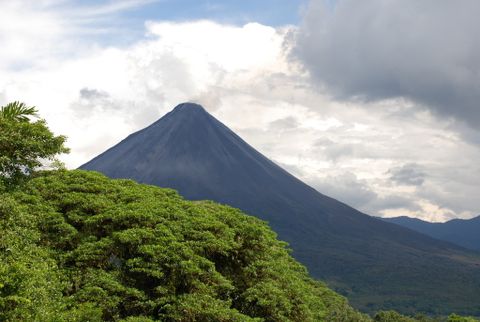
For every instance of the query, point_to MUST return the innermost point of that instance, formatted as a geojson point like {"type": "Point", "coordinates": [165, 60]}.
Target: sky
{"type": "Point", "coordinates": [372, 102]}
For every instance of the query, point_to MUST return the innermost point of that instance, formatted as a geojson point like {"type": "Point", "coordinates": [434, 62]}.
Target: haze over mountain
{"type": "Point", "coordinates": [375, 263]}
{"type": "Point", "coordinates": [463, 232]}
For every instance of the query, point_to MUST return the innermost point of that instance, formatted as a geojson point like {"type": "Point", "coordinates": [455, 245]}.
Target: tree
{"type": "Point", "coordinates": [458, 318]}
{"type": "Point", "coordinates": [391, 316]}
{"type": "Point", "coordinates": [122, 251]}
{"type": "Point", "coordinates": [17, 111]}
{"type": "Point", "coordinates": [25, 144]}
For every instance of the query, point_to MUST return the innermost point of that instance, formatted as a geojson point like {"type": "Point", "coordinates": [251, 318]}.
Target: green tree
{"type": "Point", "coordinates": [391, 316]}
{"type": "Point", "coordinates": [17, 111]}
{"type": "Point", "coordinates": [24, 144]}
{"type": "Point", "coordinates": [30, 284]}
{"type": "Point", "coordinates": [116, 250]}
{"type": "Point", "coordinates": [458, 318]}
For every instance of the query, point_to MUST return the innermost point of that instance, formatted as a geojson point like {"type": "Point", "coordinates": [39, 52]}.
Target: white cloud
{"type": "Point", "coordinates": [27, 34]}
{"type": "Point", "coordinates": [98, 95]}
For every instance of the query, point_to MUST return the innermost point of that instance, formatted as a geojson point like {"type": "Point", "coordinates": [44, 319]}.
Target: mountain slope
{"type": "Point", "coordinates": [376, 264]}
{"type": "Point", "coordinates": [463, 232]}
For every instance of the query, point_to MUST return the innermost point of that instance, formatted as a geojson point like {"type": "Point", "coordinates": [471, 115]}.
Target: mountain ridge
{"type": "Point", "coordinates": [191, 151]}
{"type": "Point", "coordinates": [462, 232]}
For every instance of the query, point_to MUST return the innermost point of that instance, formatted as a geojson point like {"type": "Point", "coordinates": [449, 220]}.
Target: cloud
{"type": "Point", "coordinates": [135, 85]}
{"type": "Point", "coordinates": [27, 33]}
{"type": "Point", "coordinates": [408, 174]}
{"type": "Point", "coordinates": [394, 202]}
{"type": "Point", "coordinates": [347, 188]}
{"type": "Point", "coordinates": [35, 33]}
{"type": "Point", "coordinates": [424, 51]}
{"type": "Point", "coordinates": [360, 194]}
{"type": "Point", "coordinates": [92, 94]}
{"type": "Point", "coordinates": [334, 151]}
{"type": "Point", "coordinates": [286, 123]}
{"type": "Point", "coordinates": [97, 94]}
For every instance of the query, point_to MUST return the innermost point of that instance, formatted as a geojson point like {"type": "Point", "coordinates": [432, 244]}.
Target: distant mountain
{"type": "Point", "coordinates": [463, 232]}
{"type": "Point", "coordinates": [375, 263]}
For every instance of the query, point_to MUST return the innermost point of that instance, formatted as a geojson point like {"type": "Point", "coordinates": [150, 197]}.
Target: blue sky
{"type": "Point", "coordinates": [269, 12]}
{"type": "Point", "coordinates": [129, 22]}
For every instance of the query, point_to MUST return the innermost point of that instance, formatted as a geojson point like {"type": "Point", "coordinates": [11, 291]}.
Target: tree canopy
{"type": "Point", "coordinates": [83, 246]}
{"type": "Point", "coordinates": [25, 144]}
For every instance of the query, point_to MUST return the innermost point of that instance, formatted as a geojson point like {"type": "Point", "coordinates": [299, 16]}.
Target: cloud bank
{"type": "Point", "coordinates": [384, 154]}
{"type": "Point", "coordinates": [424, 51]}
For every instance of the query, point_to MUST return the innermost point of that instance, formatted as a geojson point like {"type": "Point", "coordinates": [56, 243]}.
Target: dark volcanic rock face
{"type": "Point", "coordinates": [375, 263]}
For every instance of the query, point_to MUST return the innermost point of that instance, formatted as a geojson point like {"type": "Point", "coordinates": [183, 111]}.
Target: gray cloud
{"type": "Point", "coordinates": [360, 194]}
{"type": "Point", "coordinates": [346, 148]}
{"type": "Point", "coordinates": [425, 51]}
{"type": "Point", "coordinates": [335, 152]}
{"type": "Point", "coordinates": [98, 103]}
{"type": "Point", "coordinates": [347, 188]}
{"type": "Point", "coordinates": [92, 94]}
{"type": "Point", "coordinates": [408, 174]}
{"type": "Point", "coordinates": [286, 123]}
{"type": "Point", "coordinates": [391, 202]}
{"type": "Point", "coordinates": [91, 101]}
{"type": "Point", "coordinates": [292, 169]}
{"type": "Point", "coordinates": [212, 99]}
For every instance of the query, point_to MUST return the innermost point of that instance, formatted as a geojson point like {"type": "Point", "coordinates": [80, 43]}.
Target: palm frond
{"type": "Point", "coordinates": [18, 111]}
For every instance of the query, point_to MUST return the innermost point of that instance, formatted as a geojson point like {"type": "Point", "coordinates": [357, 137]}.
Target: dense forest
{"type": "Point", "coordinates": [78, 246]}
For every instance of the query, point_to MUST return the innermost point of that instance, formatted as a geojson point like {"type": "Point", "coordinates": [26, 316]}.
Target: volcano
{"type": "Point", "coordinates": [376, 264]}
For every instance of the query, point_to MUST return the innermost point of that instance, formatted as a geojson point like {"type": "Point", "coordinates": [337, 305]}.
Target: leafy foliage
{"type": "Point", "coordinates": [106, 250]}
{"type": "Point", "coordinates": [17, 111]}
{"type": "Point", "coordinates": [77, 246]}
{"type": "Point", "coordinates": [30, 286]}
{"type": "Point", "coordinates": [24, 144]}
{"type": "Point", "coordinates": [458, 318]}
